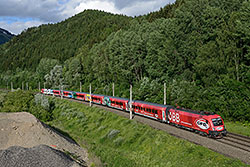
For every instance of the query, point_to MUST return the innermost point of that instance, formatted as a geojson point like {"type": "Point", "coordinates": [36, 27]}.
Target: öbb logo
{"type": "Point", "coordinates": [202, 123]}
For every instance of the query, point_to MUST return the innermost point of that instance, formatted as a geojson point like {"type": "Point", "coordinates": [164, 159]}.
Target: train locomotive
{"type": "Point", "coordinates": [204, 123]}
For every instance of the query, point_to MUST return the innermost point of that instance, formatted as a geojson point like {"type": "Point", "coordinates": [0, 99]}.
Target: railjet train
{"type": "Point", "coordinates": [204, 123]}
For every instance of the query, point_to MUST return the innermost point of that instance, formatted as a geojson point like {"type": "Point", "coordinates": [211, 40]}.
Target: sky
{"type": "Point", "coordinates": [18, 15]}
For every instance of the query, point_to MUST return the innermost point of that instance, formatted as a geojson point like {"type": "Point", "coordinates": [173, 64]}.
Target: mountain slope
{"type": "Point", "coordinates": [59, 41]}
{"type": "Point", "coordinates": [5, 36]}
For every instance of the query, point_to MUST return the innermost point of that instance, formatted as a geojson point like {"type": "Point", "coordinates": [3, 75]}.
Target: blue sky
{"type": "Point", "coordinates": [18, 15]}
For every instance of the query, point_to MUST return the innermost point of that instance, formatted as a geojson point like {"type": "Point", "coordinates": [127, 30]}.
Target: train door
{"type": "Point", "coordinates": [163, 116]}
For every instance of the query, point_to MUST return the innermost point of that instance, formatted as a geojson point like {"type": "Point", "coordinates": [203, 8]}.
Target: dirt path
{"type": "Point", "coordinates": [23, 129]}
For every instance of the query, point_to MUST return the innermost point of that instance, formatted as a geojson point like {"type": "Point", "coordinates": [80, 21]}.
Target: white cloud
{"type": "Point", "coordinates": [44, 11]}
{"type": "Point", "coordinates": [99, 5]}
{"type": "Point", "coordinates": [19, 26]}
{"type": "Point", "coordinates": [144, 7]}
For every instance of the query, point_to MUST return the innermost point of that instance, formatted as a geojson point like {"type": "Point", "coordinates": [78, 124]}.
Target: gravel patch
{"type": "Point", "coordinates": [25, 130]}
{"type": "Point", "coordinates": [38, 156]}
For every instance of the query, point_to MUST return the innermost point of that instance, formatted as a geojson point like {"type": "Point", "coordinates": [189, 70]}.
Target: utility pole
{"type": "Point", "coordinates": [7, 85]}
{"type": "Point", "coordinates": [80, 86]}
{"type": "Point", "coordinates": [113, 89]}
{"type": "Point", "coordinates": [90, 99]}
{"type": "Point", "coordinates": [27, 86]}
{"type": "Point", "coordinates": [39, 86]}
{"type": "Point", "coordinates": [22, 86]}
{"type": "Point", "coordinates": [61, 92]}
{"type": "Point", "coordinates": [44, 85]}
{"type": "Point", "coordinates": [11, 84]}
{"type": "Point", "coordinates": [130, 104]}
{"type": "Point", "coordinates": [165, 96]}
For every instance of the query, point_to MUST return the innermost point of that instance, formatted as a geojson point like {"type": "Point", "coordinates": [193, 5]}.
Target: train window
{"type": "Point", "coordinates": [217, 122]}
{"type": "Point", "coordinates": [150, 110]}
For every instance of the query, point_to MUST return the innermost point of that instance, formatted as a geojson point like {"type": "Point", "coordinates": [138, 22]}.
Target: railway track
{"type": "Point", "coordinates": [233, 145]}
{"type": "Point", "coordinates": [237, 141]}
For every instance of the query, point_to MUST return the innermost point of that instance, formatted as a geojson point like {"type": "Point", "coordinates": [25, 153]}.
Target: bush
{"type": "Point", "coordinates": [25, 101]}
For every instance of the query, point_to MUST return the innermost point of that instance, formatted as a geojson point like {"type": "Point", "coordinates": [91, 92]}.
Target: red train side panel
{"type": "Point", "coordinates": [120, 103]}
{"type": "Point", "coordinates": [210, 124]}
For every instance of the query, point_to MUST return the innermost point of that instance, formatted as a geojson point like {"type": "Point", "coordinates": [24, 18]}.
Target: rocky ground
{"type": "Point", "coordinates": [25, 141]}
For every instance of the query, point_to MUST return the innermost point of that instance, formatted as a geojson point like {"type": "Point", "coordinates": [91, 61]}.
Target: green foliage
{"type": "Point", "coordinates": [54, 78]}
{"type": "Point", "coordinates": [24, 101]}
{"type": "Point", "coordinates": [2, 97]}
{"type": "Point", "coordinates": [45, 66]}
{"type": "Point", "coordinates": [200, 49]}
{"type": "Point", "coordinates": [59, 41]}
{"type": "Point", "coordinates": [18, 101]}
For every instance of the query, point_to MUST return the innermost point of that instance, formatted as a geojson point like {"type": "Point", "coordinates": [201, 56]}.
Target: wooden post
{"type": "Point", "coordinates": [113, 89]}
{"type": "Point", "coordinates": [90, 99]}
{"type": "Point", "coordinates": [80, 86]}
{"type": "Point", "coordinates": [27, 86]}
{"type": "Point", "coordinates": [44, 85]}
{"type": "Point", "coordinates": [39, 86]}
{"type": "Point", "coordinates": [130, 104]}
{"type": "Point", "coordinates": [22, 86]}
{"type": "Point", "coordinates": [165, 96]}
{"type": "Point", "coordinates": [11, 84]}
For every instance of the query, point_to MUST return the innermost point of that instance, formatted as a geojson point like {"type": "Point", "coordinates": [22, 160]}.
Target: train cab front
{"type": "Point", "coordinates": [218, 129]}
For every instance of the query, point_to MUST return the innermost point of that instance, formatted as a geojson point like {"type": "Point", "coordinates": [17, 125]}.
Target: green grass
{"type": "Point", "coordinates": [118, 141]}
{"type": "Point", "coordinates": [239, 128]}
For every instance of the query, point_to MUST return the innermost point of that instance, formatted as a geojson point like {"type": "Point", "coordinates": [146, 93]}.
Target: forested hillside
{"type": "Point", "coordinates": [200, 49]}
{"type": "Point", "coordinates": [59, 41]}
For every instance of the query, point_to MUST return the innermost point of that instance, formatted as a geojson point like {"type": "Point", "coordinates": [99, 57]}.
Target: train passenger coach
{"type": "Point", "coordinates": [151, 110]}
{"type": "Point", "coordinates": [68, 94]}
{"type": "Point", "coordinates": [116, 102]}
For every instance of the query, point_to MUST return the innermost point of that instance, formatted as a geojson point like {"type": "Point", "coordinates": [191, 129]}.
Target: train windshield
{"type": "Point", "coordinates": [217, 122]}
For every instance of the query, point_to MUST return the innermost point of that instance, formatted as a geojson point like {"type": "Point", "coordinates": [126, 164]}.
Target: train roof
{"type": "Point", "coordinates": [97, 94]}
{"type": "Point", "coordinates": [154, 104]}
{"type": "Point", "coordinates": [120, 98]}
{"type": "Point", "coordinates": [196, 112]}
{"type": "Point", "coordinates": [79, 92]}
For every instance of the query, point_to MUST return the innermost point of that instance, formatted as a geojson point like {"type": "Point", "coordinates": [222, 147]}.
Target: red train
{"type": "Point", "coordinates": [205, 123]}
